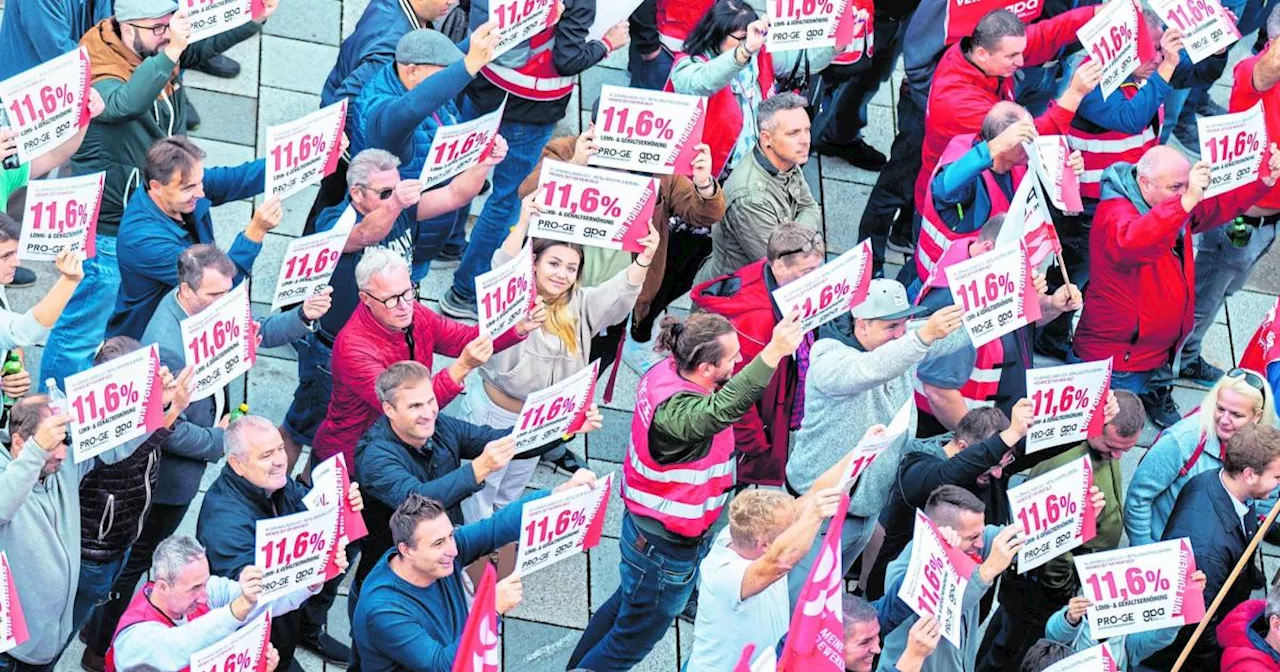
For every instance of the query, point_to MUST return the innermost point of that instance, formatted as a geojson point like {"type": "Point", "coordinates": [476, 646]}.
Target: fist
{"type": "Point", "coordinates": [1021, 417]}
{"type": "Point", "coordinates": [477, 352]}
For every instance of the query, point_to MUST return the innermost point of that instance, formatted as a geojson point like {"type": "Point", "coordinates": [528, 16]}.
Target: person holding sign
{"type": "Point", "coordinates": [184, 608]}
{"type": "Point", "coordinates": [561, 348]}
{"type": "Point", "coordinates": [763, 436]}
{"type": "Point", "coordinates": [173, 211]}
{"type": "Point", "coordinates": [23, 330]}
{"type": "Point", "coordinates": [413, 606]}
{"type": "Point", "coordinates": [1140, 246]}
{"type": "Point", "coordinates": [255, 485]}
{"type": "Point", "coordinates": [677, 478]}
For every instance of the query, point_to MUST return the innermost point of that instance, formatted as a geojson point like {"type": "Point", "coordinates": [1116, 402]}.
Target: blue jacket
{"type": "Point", "coordinates": [960, 194]}
{"type": "Point", "coordinates": [1155, 484]}
{"type": "Point", "coordinates": [1132, 115]}
{"type": "Point", "coordinates": [35, 31]}
{"type": "Point", "coordinates": [1130, 650]}
{"type": "Point", "coordinates": [389, 116]}
{"type": "Point", "coordinates": [370, 45]}
{"type": "Point", "coordinates": [227, 526]}
{"type": "Point", "coordinates": [150, 241]}
{"type": "Point", "coordinates": [399, 626]}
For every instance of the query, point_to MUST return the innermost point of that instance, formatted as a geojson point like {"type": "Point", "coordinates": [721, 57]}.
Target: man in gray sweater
{"type": "Point", "coordinates": [861, 372]}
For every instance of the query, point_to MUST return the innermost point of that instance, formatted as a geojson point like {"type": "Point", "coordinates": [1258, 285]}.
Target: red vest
{"type": "Point", "coordinates": [676, 19]}
{"type": "Point", "coordinates": [724, 113]}
{"type": "Point", "coordinates": [538, 78]}
{"type": "Point", "coordinates": [1100, 150]}
{"type": "Point", "coordinates": [141, 610]}
{"type": "Point", "coordinates": [935, 236]}
{"type": "Point", "coordinates": [983, 384]}
{"type": "Point", "coordinates": [686, 497]}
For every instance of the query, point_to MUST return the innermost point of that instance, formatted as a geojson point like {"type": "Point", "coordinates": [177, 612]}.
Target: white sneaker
{"type": "Point", "coordinates": [640, 356]}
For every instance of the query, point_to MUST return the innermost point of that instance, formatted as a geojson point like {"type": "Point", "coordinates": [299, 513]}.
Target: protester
{"type": "Point", "coordinates": [414, 604]}
{"type": "Point", "coordinates": [681, 451]}
{"type": "Point", "coordinates": [31, 327]}
{"type": "Point", "coordinates": [1043, 654]}
{"type": "Point", "coordinates": [31, 34]}
{"type": "Point", "coordinates": [762, 437]}
{"type": "Point", "coordinates": [1247, 646]}
{"type": "Point", "coordinates": [862, 627]}
{"type": "Point", "coordinates": [253, 486]}
{"type": "Point", "coordinates": [767, 188]}
{"type": "Point", "coordinates": [172, 212]}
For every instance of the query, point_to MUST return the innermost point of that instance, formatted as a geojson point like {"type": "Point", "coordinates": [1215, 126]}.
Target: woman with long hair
{"type": "Point", "coordinates": [1191, 446]}
{"type": "Point", "coordinates": [561, 348]}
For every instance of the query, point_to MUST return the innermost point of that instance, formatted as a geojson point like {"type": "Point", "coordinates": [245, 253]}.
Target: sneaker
{"type": "Point", "coordinates": [1161, 407]}
{"type": "Point", "coordinates": [22, 277]}
{"type": "Point", "coordinates": [857, 153]}
{"type": "Point", "coordinates": [328, 648]}
{"type": "Point", "coordinates": [569, 462]}
{"type": "Point", "coordinates": [900, 240]}
{"type": "Point", "coordinates": [456, 308]}
{"type": "Point", "coordinates": [193, 117]}
{"type": "Point", "coordinates": [446, 260]}
{"type": "Point", "coordinates": [640, 357]}
{"type": "Point", "coordinates": [218, 65]}
{"type": "Point", "coordinates": [92, 662]}
{"type": "Point", "coordinates": [1188, 135]}
{"type": "Point", "coordinates": [1208, 108]}
{"type": "Point", "coordinates": [1201, 372]}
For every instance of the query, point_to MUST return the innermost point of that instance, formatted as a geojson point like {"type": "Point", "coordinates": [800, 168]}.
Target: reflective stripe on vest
{"type": "Point", "coordinates": [1102, 149]}
{"type": "Point", "coordinates": [980, 390]}
{"type": "Point", "coordinates": [538, 78]}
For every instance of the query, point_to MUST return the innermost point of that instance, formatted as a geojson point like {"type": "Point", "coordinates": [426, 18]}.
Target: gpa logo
{"type": "Point", "coordinates": [1026, 9]}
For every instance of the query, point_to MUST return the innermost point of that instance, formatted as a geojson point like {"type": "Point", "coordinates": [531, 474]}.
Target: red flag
{"type": "Point", "coordinates": [478, 651]}
{"type": "Point", "coordinates": [1264, 347]}
{"type": "Point", "coordinates": [815, 641]}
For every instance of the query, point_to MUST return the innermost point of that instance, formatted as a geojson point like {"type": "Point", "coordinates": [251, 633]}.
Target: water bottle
{"type": "Point", "coordinates": [12, 365]}
{"type": "Point", "coordinates": [1239, 231]}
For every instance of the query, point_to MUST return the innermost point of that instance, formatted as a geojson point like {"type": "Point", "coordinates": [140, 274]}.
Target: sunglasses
{"type": "Point", "coordinates": [1250, 378]}
{"type": "Point", "coordinates": [383, 194]}
{"type": "Point", "coordinates": [806, 248]}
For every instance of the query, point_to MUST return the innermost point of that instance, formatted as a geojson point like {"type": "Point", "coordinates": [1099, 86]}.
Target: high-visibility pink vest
{"type": "Point", "coordinates": [687, 497]}
{"type": "Point", "coordinates": [1100, 150]}
{"type": "Point", "coordinates": [140, 610]}
{"type": "Point", "coordinates": [538, 78]}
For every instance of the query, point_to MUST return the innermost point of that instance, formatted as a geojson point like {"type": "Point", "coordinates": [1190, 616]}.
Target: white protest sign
{"type": "Point", "coordinates": [115, 402]}
{"type": "Point", "coordinates": [1235, 146]}
{"type": "Point", "coordinates": [648, 131]}
{"type": "Point", "coordinates": [1070, 401]}
{"type": "Point", "coordinates": [562, 525]}
{"type": "Point", "coordinates": [934, 584]}
{"type": "Point", "coordinates": [1095, 659]}
{"type": "Point", "coordinates": [330, 485]}
{"type": "Point", "coordinates": [1047, 159]}
{"type": "Point", "coordinates": [505, 294]}
{"type": "Point", "coordinates": [220, 342]}
{"type": "Point", "coordinates": [518, 20]}
{"type": "Point", "coordinates": [244, 650]}
{"type": "Point", "coordinates": [309, 262]}
{"type": "Point", "coordinates": [295, 550]}
{"type": "Point", "coordinates": [610, 14]}
{"type": "Point", "coordinates": [830, 291]}
{"type": "Point", "coordinates": [61, 214]}
{"type": "Point", "coordinates": [457, 147]}
{"type": "Point", "coordinates": [1055, 513]}
{"type": "Point", "coordinates": [593, 206]}
{"type": "Point", "coordinates": [869, 448]}
{"type": "Point", "coordinates": [555, 411]}
{"type": "Point", "coordinates": [1028, 222]}
{"type": "Point", "coordinates": [13, 623]}
{"type": "Point", "coordinates": [1111, 40]}
{"type": "Point", "coordinates": [47, 104]}
{"type": "Point", "coordinates": [214, 17]}
{"type": "Point", "coordinates": [1206, 28]}
{"type": "Point", "coordinates": [1140, 588]}
{"type": "Point", "coordinates": [808, 24]}
{"type": "Point", "coordinates": [303, 152]}
{"type": "Point", "coordinates": [995, 292]}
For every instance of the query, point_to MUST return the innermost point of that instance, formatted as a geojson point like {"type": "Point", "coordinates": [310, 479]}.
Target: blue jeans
{"type": "Point", "coordinates": [80, 329]}
{"type": "Point", "coordinates": [315, 386]}
{"type": "Point", "coordinates": [651, 75]}
{"type": "Point", "coordinates": [94, 588]}
{"type": "Point", "coordinates": [434, 235]}
{"type": "Point", "coordinates": [524, 148]}
{"type": "Point", "coordinates": [657, 579]}
{"type": "Point", "coordinates": [1137, 382]}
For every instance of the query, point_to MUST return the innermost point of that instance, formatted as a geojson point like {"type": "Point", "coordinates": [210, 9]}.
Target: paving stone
{"type": "Point", "coordinates": [844, 204]}
{"type": "Point", "coordinates": [271, 388]}
{"type": "Point", "coordinates": [1248, 309]}
{"type": "Point", "coordinates": [624, 392]}
{"type": "Point", "coordinates": [812, 170]}
{"type": "Point", "coordinates": [219, 153]}
{"type": "Point", "coordinates": [537, 647]}
{"type": "Point", "coordinates": [247, 54]}
{"type": "Point", "coordinates": [239, 113]}
{"type": "Point", "coordinates": [229, 219]}
{"type": "Point", "coordinates": [311, 21]}
{"type": "Point", "coordinates": [556, 595]}
{"type": "Point", "coordinates": [296, 65]}
{"type": "Point", "coordinates": [260, 312]}
{"type": "Point", "coordinates": [593, 79]}
{"type": "Point", "coordinates": [1266, 273]}
{"type": "Point", "coordinates": [571, 124]}
{"type": "Point", "coordinates": [351, 11]}
{"type": "Point", "coordinates": [610, 441]}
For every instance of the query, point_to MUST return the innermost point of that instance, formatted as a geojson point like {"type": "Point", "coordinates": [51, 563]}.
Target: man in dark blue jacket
{"type": "Point", "coordinates": [255, 485]}
{"type": "Point", "coordinates": [170, 214]}
{"type": "Point", "coordinates": [1215, 512]}
{"type": "Point", "coordinates": [35, 31]}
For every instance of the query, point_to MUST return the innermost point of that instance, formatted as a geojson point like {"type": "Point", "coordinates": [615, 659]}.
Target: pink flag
{"type": "Point", "coordinates": [815, 641]}
{"type": "Point", "coordinates": [478, 651]}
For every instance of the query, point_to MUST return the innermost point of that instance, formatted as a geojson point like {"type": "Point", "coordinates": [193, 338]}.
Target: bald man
{"type": "Point", "coordinates": [1142, 291]}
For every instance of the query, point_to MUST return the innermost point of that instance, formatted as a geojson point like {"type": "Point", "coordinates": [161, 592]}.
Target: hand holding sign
{"type": "Point", "coordinates": [1057, 512]}
{"type": "Point", "coordinates": [46, 105]}
{"type": "Point", "coordinates": [214, 17]}
{"type": "Point", "coordinates": [1206, 27]}
{"type": "Point", "coordinates": [303, 152]}
{"type": "Point", "coordinates": [593, 206]}
{"type": "Point", "coordinates": [1111, 40]}
{"type": "Point", "coordinates": [995, 292]}
{"type": "Point", "coordinates": [519, 20]}
{"type": "Point", "coordinates": [1141, 588]}
{"type": "Point", "coordinates": [566, 523]}
{"type": "Point", "coordinates": [115, 402]}
{"type": "Point", "coordinates": [505, 294]}
{"type": "Point", "coordinates": [831, 290]}
{"type": "Point", "coordinates": [245, 650]}
{"type": "Point", "coordinates": [458, 147]}
{"type": "Point", "coordinates": [557, 410]}
{"type": "Point", "coordinates": [218, 341]}
{"type": "Point", "coordinates": [1069, 402]}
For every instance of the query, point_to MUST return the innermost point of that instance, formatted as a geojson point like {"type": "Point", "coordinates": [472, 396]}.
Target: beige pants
{"type": "Point", "coordinates": [506, 484]}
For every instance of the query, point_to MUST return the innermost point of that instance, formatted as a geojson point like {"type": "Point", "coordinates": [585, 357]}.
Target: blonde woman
{"type": "Point", "coordinates": [1192, 446]}
{"type": "Point", "coordinates": [561, 348]}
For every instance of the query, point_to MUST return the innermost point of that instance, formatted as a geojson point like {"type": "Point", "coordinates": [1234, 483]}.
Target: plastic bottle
{"type": "Point", "coordinates": [239, 412]}
{"type": "Point", "coordinates": [12, 365]}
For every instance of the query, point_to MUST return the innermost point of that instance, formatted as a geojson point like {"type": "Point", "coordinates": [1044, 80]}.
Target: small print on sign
{"type": "Point", "coordinates": [47, 104]}
{"type": "Point", "coordinates": [220, 342]}
{"type": "Point", "coordinates": [1055, 513]}
{"type": "Point", "coordinates": [592, 206]}
{"type": "Point", "coordinates": [214, 17]}
{"type": "Point", "coordinates": [244, 650]}
{"type": "Point", "coordinates": [1095, 659]}
{"type": "Point", "coordinates": [1069, 403]}
{"type": "Point", "coordinates": [458, 147]}
{"type": "Point", "coordinates": [303, 152]}
{"type": "Point", "coordinates": [1235, 147]}
{"type": "Point", "coordinates": [552, 412]}
{"type": "Point", "coordinates": [330, 485]}
{"type": "Point", "coordinates": [648, 131]}
{"type": "Point", "coordinates": [561, 526]}
{"type": "Point", "coordinates": [309, 262]}
{"type": "Point", "coordinates": [806, 24]}
{"type": "Point", "coordinates": [295, 551]}
{"type": "Point", "coordinates": [934, 584]}
{"type": "Point", "coordinates": [1206, 28]}
{"type": "Point", "coordinates": [61, 214]}
{"type": "Point", "coordinates": [994, 290]}
{"type": "Point", "coordinates": [505, 294]}
{"type": "Point", "coordinates": [868, 449]}
{"type": "Point", "coordinates": [115, 402]}
{"type": "Point", "coordinates": [13, 624]}
{"type": "Point", "coordinates": [1111, 40]}
{"type": "Point", "coordinates": [1140, 588]}
{"type": "Point", "coordinates": [519, 20]}
{"type": "Point", "coordinates": [831, 290]}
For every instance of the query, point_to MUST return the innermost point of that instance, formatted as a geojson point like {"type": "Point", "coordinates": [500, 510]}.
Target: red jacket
{"type": "Point", "coordinates": [1141, 294]}
{"type": "Point", "coordinates": [762, 436]}
{"type": "Point", "coordinates": [1240, 645]}
{"type": "Point", "coordinates": [363, 349]}
{"type": "Point", "coordinates": [961, 94]}
{"type": "Point", "coordinates": [724, 114]}
{"type": "Point", "coordinates": [676, 19]}
{"type": "Point", "coordinates": [1244, 96]}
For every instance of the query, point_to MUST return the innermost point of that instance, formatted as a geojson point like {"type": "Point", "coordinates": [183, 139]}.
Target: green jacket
{"type": "Point", "coordinates": [137, 113]}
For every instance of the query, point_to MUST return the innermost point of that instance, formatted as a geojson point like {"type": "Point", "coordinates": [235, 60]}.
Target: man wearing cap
{"type": "Point", "coordinates": [135, 59]}
{"type": "Point", "coordinates": [861, 372]}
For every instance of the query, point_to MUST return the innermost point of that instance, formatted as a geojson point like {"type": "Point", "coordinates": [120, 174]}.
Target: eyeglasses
{"type": "Point", "coordinates": [393, 302]}
{"type": "Point", "coordinates": [806, 248]}
{"type": "Point", "coordinates": [740, 38]}
{"type": "Point", "coordinates": [382, 195]}
{"type": "Point", "coordinates": [1252, 379]}
{"type": "Point", "coordinates": [158, 29]}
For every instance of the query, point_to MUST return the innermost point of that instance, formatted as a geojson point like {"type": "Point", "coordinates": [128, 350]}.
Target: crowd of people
{"type": "Point", "coordinates": [744, 421]}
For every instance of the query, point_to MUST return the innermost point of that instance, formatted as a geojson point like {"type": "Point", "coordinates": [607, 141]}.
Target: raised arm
{"type": "Point", "coordinates": [792, 545]}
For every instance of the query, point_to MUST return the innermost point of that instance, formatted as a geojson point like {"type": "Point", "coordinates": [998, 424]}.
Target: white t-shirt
{"type": "Point", "coordinates": [725, 623]}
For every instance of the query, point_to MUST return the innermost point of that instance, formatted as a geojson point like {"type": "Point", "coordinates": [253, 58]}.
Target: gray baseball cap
{"type": "Point", "coordinates": [427, 47]}
{"type": "Point", "coordinates": [134, 10]}
{"type": "Point", "coordinates": [886, 300]}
